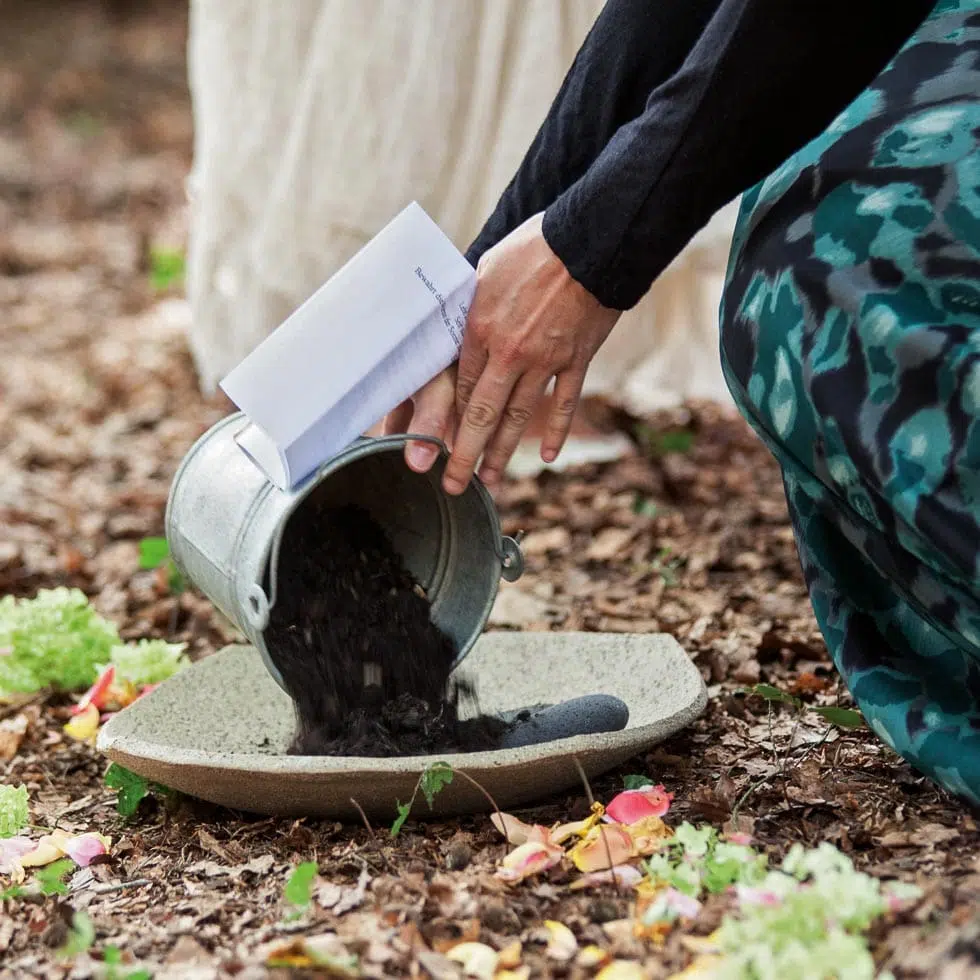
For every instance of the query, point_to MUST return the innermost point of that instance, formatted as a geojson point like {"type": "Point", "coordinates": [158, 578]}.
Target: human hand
{"type": "Point", "coordinates": [429, 412]}
{"type": "Point", "coordinates": [530, 322]}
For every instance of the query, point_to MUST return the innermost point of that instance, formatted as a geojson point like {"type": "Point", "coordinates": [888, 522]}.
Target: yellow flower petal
{"type": "Point", "coordinates": [562, 944]}
{"type": "Point", "coordinates": [510, 956]}
{"type": "Point", "coordinates": [592, 956]}
{"type": "Point", "coordinates": [477, 959]}
{"type": "Point", "coordinates": [578, 828]}
{"type": "Point", "coordinates": [648, 835]}
{"type": "Point", "coordinates": [84, 725]}
{"type": "Point", "coordinates": [703, 968]}
{"type": "Point", "coordinates": [622, 970]}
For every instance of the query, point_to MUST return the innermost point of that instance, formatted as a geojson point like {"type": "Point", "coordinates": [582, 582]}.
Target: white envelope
{"type": "Point", "coordinates": [380, 328]}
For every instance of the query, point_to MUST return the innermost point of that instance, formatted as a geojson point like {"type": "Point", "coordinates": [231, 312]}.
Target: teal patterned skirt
{"type": "Point", "coordinates": [851, 342]}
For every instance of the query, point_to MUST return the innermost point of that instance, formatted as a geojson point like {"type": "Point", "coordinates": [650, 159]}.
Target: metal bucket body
{"type": "Point", "coordinates": [225, 523]}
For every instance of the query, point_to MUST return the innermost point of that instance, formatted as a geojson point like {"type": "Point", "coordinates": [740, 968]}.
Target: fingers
{"type": "Point", "coordinates": [568, 390]}
{"type": "Point", "coordinates": [472, 362]}
{"type": "Point", "coordinates": [517, 415]}
{"type": "Point", "coordinates": [477, 426]}
{"type": "Point", "coordinates": [433, 416]}
{"type": "Point", "coordinates": [396, 421]}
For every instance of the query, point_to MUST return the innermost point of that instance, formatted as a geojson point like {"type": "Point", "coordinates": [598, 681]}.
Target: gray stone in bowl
{"type": "Point", "coordinates": [218, 729]}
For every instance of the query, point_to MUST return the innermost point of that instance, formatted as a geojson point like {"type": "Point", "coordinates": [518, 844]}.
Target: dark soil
{"type": "Point", "coordinates": [352, 636]}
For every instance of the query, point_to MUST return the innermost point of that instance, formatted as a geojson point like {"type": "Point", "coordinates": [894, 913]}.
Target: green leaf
{"type": "Point", "coordinates": [50, 878]}
{"type": "Point", "coordinates": [434, 779]}
{"type": "Point", "coordinates": [771, 693]}
{"type": "Point", "coordinates": [841, 717]}
{"type": "Point", "coordinates": [299, 889]}
{"type": "Point", "coordinates": [153, 552]}
{"type": "Point", "coordinates": [112, 955]}
{"type": "Point", "coordinates": [80, 937]}
{"type": "Point", "coordinates": [14, 891]}
{"type": "Point", "coordinates": [166, 268]}
{"type": "Point", "coordinates": [404, 809]}
{"type": "Point", "coordinates": [132, 789]}
{"type": "Point", "coordinates": [636, 782]}
{"type": "Point", "coordinates": [13, 810]}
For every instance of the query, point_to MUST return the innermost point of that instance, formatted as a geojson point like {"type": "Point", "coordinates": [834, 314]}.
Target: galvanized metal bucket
{"type": "Point", "coordinates": [225, 523]}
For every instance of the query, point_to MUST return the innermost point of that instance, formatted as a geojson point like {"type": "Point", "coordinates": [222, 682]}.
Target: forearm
{"type": "Point", "coordinates": [763, 78]}
{"type": "Point", "coordinates": [633, 48]}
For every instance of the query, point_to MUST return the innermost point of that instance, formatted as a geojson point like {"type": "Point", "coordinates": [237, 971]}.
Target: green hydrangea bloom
{"type": "Point", "coordinates": [149, 661]}
{"type": "Point", "coordinates": [55, 639]}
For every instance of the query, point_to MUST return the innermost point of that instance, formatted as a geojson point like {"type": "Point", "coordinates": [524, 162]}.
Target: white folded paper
{"type": "Point", "coordinates": [380, 328]}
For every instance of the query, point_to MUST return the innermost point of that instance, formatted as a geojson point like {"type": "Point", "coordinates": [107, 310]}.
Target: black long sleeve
{"type": "Point", "coordinates": [674, 107]}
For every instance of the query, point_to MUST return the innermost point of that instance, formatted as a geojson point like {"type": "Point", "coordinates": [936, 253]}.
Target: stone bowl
{"type": "Point", "coordinates": [218, 729]}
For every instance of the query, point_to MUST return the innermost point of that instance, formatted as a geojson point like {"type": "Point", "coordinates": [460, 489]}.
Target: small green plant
{"type": "Point", "coordinates": [636, 782]}
{"type": "Point", "coordinates": [841, 717]}
{"type": "Point", "coordinates": [81, 936]}
{"type": "Point", "coordinates": [51, 878]}
{"type": "Point", "coordinates": [298, 892]}
{"type": "Point", "coordinates": [155, 552]}
{"type": "Point", "coordinates": [666, 567]}
{"type": "Point", "coordinates": [658, 443]}
{"type": "Point", "coordinates": [644, 506]}
{"type": "Point", "coordinates": [167, 267]}
{"type": "Point", "coordinates": [132, 789]}
{"type": "Point", "coordinates": [13, 810]}
{"type": "Point", "coordinates": [432, 781]}
{"type": "Point", "coordinates": [112, 958]}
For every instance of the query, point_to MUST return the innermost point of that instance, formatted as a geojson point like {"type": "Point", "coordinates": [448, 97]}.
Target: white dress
{"type": "Point", "coordinates": [316, 121]}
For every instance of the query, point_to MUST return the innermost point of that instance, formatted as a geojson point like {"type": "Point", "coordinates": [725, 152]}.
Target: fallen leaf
{"type": "Point", "coordinates": [609, 543]}
{"type": "Point", "coordinates": [12, 732]}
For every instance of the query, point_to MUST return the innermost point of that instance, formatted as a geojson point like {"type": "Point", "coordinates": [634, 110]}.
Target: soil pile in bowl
{"type": "Point", "coordinates": [352, 636]}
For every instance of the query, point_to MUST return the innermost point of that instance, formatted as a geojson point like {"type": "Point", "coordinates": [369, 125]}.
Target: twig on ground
{"type": "Point", "coordinates": [367, 823]}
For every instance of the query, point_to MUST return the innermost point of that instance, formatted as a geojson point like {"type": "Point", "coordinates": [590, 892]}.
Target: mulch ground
{"type": "Point", "coordinates": [98, 403]}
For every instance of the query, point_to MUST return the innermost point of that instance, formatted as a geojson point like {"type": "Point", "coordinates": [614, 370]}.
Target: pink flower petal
{"type": "Point", "coordinates": [626, 875]}
{"type": "Point", "coordinates": [756, 896]}
{"type": "Point", "coordinates": [516, 831]}
{"type": "Point", "coordinates": [739, 838]}
{"type": "Point", "coordinates": [683, 905]}
{"type": "Point", "coordinates": [12, 849]}
{"type": "Point", "coordinates": [96, 694]}
{"type": "Point", "coordinates": [634, 804]}
{"type": "Point", "coordinates": [606, 846]}
{"type": "Point", "coordinates": [84, 848]}
{"type": "Point", "coordinates": [529, 859]}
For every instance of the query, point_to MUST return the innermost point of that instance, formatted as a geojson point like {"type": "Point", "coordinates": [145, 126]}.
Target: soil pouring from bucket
{"type": "Point", "coordinates": [352, 637]}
